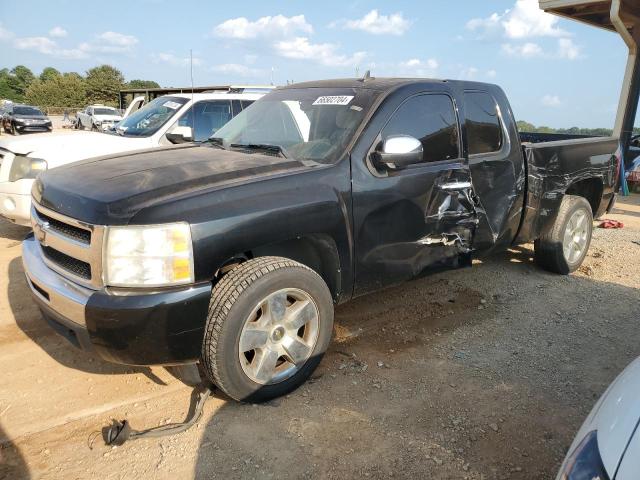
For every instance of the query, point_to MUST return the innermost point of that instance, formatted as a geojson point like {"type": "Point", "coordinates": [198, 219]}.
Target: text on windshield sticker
{"type": "Point", "coordinates": [334, 100]}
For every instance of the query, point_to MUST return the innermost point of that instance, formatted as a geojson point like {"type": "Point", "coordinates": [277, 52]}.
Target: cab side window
{"type": "Point", "coordinates": [432, 120]}
{"type": "Point", "coordinates": [484, 133]}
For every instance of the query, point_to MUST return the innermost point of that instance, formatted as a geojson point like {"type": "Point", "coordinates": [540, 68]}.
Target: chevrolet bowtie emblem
{"type": "Point", "coordinates": [40, 231]}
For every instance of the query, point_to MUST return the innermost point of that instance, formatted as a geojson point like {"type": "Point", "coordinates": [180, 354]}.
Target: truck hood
{"type": "Point", "coordinates": [62, 148]}
{"type": "Point", "coordinates": [111, 190]}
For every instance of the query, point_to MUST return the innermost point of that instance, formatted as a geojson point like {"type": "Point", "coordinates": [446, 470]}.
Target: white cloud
{"type": "Point", "coordinates": [174, 60]}
{"type": "Point", "coordinates": [476, 74]}
{"type": "Point", "coordinates": [525, 50]}
{"type": "Point", "coordinates": [46, 46]}
{"type": "Point", "coordinates": [117, 39]}
{"type": "Point", "coordinates": [524, 20]}
{"type": "Point", "coordinates": [417, 67]}
{"type": "Point", "coordinates": [237, 69]}
{"type": "Point", "coordinates": [376, 24]}
{"type": "Point", "coordinates": [324, 53]}
{"type": "Point", "coordinates": [277, 26]}
{"type": "Point", "coordinates": [57, 32]}
{"type": "Point", "coordinates": [551, 101]}
{"type": "Point", "coordinates": [567, 49]}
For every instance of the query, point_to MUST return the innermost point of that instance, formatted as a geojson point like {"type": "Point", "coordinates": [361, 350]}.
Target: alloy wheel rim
{"type": "Point", "coordinates": [576, 236]}
{"type": "Point", "coordinates": [279, 336]}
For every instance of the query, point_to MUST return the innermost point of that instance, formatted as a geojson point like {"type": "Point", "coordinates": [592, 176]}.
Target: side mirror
{"type": "Point", "coordinates": [180, 134]}
{"type": "Point", "coordinates": [399, 151]}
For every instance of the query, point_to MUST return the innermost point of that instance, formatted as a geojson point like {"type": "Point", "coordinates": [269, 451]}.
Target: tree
{"type": "Point", "coordinates": [58, 91]}
{"type": "Point", "coordinates": [142, 84]}
{"type": "Point", "coordinates": [103, 85]}
{"type": "Point", "coordinates": [49, 73]}
{"type": "Point", "coordinates": [14, 83]}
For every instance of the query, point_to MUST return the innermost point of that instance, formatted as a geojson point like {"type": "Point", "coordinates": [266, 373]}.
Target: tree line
{"type": "Point", "coordinates": [593, 132]}
{"type": "Point", "coordinates": [70, 89]}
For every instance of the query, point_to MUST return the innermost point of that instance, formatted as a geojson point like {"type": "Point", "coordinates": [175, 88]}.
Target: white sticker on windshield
{"type": "Point", "coordinates": [334, 100]}
{"type": "Point", "coordinates": [171, 105]}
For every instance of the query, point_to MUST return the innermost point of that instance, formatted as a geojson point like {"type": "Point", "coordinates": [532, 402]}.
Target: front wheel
{"type": "Point", "coordinates": [564, 248]}
{"type": "Point", "coordinates": [270, 322]}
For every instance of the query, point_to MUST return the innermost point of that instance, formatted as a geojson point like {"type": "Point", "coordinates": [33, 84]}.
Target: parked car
{"type": "Point", "coordinates": [607, 446]}
{"type": "Point", "coordinates": [234, 252]}
{"type": "Point", "coordinates": [19, 119]}
{"type": "Point", "coordinates": [97, 118]}
{"type": "Point", "coordinates": [164, 121]}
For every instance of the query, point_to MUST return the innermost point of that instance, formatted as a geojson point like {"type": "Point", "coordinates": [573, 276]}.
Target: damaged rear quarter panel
{"type": "Point", "coordinates": [553, 167]}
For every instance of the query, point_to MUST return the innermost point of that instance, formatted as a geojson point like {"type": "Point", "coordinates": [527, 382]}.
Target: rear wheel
{"type": "Point", "coordinates": [564, 248]}
{"type": "Point", "coordinates": [269, 324]}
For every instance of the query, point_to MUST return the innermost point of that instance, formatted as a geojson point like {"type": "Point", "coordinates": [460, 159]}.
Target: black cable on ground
{"type": "Point", "coordinates": [120, 431]}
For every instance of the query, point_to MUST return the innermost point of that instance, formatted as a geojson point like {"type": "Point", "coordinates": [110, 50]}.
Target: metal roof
{"type": "Point", "coordinates": [593, 12]}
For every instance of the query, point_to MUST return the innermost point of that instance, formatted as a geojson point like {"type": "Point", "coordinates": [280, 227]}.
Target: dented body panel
{"type": "Point", "coordinates": [554, 168]}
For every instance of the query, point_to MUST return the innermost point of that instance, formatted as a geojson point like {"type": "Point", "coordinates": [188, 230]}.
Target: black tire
{"type": "Point", "coordinates": [232, 301]}
{"type": "Point", "coordinates": [549, 249]}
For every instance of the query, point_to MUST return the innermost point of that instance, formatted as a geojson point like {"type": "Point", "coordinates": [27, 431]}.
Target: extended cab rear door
{"type": "Point", "coordinates": [496, 163]}
{"type": "Point", "coordinates": [412, 220]}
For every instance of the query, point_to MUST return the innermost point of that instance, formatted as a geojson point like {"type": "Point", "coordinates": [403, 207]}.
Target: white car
{"type": "Point", "coordinates": [166, 120]}
{"type": "Point", "coordinates": [97, 117]}
{"type": "Point", "coordinates": [607, 446]}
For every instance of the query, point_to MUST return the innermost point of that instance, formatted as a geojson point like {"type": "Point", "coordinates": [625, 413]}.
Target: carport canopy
{"type": "Point", "coordinates": [622, 17]}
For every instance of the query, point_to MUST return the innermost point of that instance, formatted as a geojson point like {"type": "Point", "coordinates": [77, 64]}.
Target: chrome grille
{"type": "Point", "coordinates": [70, 247]}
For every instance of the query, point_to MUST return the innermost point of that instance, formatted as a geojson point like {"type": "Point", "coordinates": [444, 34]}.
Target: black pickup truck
{"type": "Point", "coordinates": [234, 253]}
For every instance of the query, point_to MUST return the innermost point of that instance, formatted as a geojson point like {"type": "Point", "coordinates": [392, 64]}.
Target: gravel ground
{"type": "Point", "coordinates": [484, 373]}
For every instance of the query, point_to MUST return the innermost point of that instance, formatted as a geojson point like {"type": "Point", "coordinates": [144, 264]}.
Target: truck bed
{"type": "Point", "coordinates": [555, 165]}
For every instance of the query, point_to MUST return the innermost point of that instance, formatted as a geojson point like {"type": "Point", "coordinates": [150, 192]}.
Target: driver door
{"type": "Point", "coordinates": [420, 218]}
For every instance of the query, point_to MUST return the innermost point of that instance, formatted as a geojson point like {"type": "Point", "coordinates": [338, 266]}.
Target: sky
{"type": "Point", "coordinates": [556, 72]}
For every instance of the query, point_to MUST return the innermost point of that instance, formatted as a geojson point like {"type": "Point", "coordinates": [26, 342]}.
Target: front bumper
{"type": "Point", "coordinates": [162, 327]}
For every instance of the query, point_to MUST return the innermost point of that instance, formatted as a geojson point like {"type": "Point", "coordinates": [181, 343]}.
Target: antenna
{"type": "Point", "coordinates": [193, 109]}
{"type": "Point", "coordinates": [272, 70]}
{"type": "Point", "coordinates": [357, 72]}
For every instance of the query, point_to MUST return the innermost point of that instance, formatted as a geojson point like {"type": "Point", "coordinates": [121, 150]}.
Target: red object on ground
{"type": "Point", "coordinates": [611, 224]}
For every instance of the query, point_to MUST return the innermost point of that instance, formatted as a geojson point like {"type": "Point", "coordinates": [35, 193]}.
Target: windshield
{"type": "Point", "coordinates": [105, 111]}
{"type": "Point", "coordinates": [151, 117]}
{"type": "Point", "coordinates": [306, 124]}
{"type": "Point", "coordinates": [27, 111]}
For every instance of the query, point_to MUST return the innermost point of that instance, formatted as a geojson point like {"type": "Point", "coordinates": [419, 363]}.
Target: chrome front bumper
{"type": "Point", "coordinates": [52, 290]}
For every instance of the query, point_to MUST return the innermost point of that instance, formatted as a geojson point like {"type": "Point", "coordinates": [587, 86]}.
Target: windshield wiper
{"type": "Point", "coordinates": [216, 142]}
{"type": "Point", "coordinates": [262, 146]}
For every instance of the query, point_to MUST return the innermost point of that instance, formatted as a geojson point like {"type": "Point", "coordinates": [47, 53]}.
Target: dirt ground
{"type": "Point", "coordinates": [478, 374]}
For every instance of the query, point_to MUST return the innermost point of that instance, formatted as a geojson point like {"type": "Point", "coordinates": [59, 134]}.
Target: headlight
{"type": "Point", "coordinates": [585, 462]}
{"type": "Point", "coordinates": [26, 167]}
{"type": "Point", "coordinates": [146, 256]}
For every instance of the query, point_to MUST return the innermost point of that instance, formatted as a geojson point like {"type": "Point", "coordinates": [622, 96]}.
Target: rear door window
{"type": "Point", "coordinates": [484, 132]}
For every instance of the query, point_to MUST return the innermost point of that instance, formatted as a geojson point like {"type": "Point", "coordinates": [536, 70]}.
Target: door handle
{"type": "Point", "coordinates": [455, 186]}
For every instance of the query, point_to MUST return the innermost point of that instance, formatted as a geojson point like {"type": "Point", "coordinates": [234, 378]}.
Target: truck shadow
{"type": "Point", "coordinates": [29, 319]}
{"type": "Point", "coordinates": [12, 464]}
{"type": "Point", "coordinates": [422, 382]}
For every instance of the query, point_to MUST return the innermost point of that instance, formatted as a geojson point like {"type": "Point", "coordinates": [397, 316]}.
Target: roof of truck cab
{"type": "Point", "coordinates": [373, 83]}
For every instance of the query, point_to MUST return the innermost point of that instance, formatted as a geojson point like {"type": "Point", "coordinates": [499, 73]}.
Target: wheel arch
{"type": "Point", "coordinates": [317, 251]}
{"type": "Point", "coordinates": [592, 189]}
